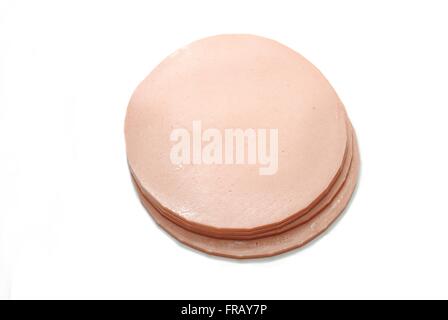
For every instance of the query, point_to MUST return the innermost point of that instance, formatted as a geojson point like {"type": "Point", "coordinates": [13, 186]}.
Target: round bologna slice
{"type": "Point", "coordinates": [268, 246]}
{"type": "Point", "coordinates": [233, 85]}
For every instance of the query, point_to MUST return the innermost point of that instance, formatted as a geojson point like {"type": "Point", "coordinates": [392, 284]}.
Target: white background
{"type": "Point", "coordinates": [71, 225]}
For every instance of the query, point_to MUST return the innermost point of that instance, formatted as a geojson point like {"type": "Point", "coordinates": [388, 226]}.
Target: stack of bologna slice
{"type": "Point", "coordinates": [304, 162]}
